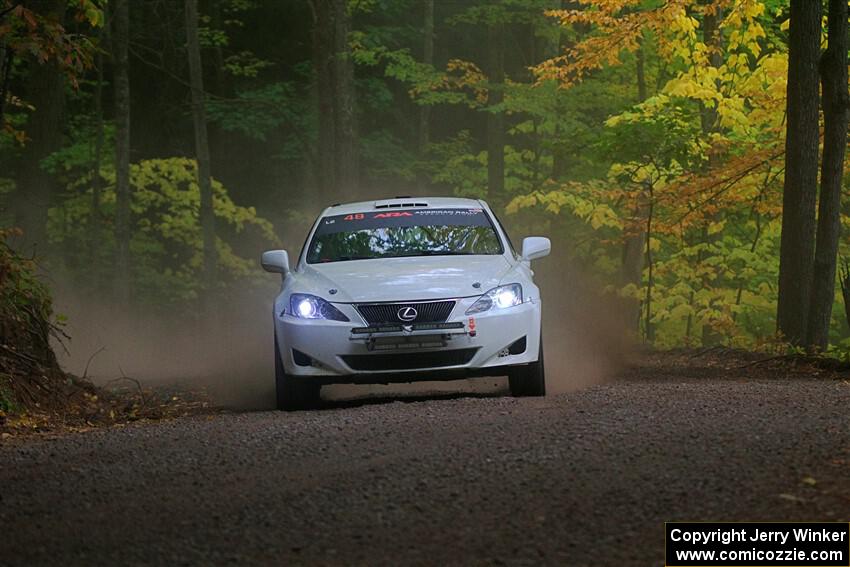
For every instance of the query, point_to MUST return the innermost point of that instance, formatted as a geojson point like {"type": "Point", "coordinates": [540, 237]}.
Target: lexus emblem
{"type": "Point", "coordinates": [407, 314]}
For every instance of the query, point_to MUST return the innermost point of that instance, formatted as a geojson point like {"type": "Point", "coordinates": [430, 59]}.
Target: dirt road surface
{"type": "Point", "coordinates": [583, 478]}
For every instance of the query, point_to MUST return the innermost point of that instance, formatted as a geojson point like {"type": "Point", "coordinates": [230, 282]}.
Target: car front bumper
{"type": "Point", "coordinates": [340, 352]}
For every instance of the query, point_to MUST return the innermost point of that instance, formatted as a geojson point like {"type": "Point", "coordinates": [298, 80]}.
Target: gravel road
{"type": "Point", "coordinates": [584, 478]}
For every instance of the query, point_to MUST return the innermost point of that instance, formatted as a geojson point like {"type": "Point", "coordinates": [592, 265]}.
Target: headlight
{"type": "Point", "coordinates": [307, 306]}
{"type": "Point", "coordinates": [498, 297]}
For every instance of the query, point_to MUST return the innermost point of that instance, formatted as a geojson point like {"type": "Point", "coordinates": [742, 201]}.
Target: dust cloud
{"type": "Point", "coordinates": [584, 337]}
{"type": "Point", "coordinates": [230, 356]}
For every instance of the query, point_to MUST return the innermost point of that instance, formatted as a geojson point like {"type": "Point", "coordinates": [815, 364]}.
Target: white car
{"type": "Point", "coordinates": [404, 290]}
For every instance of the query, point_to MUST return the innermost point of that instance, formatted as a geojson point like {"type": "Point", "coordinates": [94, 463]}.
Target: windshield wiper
{"type": "Point", "coordinates": [349, 258]}
{"type": "Point", "coordinates": [412, 255]}
{"type": "Point", "coordinates": [344, 259]}
{"type": "Point", "coordinates": [438, 253]}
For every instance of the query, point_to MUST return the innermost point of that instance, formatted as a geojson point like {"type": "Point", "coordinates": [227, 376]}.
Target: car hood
{"type": "Point", "coordinates": [403, 279]}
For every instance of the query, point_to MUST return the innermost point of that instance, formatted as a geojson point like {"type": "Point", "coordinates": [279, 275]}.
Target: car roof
{"type": "Point", "coordinates": [402, 203]}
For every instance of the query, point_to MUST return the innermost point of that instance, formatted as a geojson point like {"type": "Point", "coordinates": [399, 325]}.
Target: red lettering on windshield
{"type": "Point", "coordinates": [391, 215]}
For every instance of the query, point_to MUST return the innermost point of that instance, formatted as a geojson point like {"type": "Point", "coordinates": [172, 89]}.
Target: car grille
{"type": "Point", "coordinates": [409, 361]}
{"type": "Point", "coordinates": [426, 312]}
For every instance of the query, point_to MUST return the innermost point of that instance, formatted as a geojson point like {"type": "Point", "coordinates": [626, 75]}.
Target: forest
{"type": "Point", "coordinates": [686, 155]}
{"type": "Point", "coordinates": [684, 161]}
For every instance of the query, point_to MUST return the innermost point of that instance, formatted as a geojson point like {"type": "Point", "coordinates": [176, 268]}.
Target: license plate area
{"type": "Point", "coordinates": [412, 342]}
{"type": "Point", "coordinates": [407, 337]}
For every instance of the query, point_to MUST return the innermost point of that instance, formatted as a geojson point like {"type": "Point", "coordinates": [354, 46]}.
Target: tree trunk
{"type": "Point", "coordinates": [120, 40]}
{"type": "Point", "coordinates": [202, 152]}
{"type": "Point", "coordinates": [323, 65]}
{"type": "Point", "coordinates": [631, 269]}
{"type": "Point", "coordinates": [35, 186]}
{"type": "Point", "coordinates": [495, 118]}
{"type": "Point", "coordinates": [834, 79]}
{"type": "Point", "coordinates": [220, 83]}
{"type": "Point", "coordinates": [844, 277]}
{"type": "Point", "coordinates": [801, 171]}
{"type": "Point", "coordinates": [345, 118]}
{"type": "Point", "coordinates": [96, 179]}
{"type": "Point", "coordinates": [425, 110]}
{"type": "Point", "coordinates": [7, 58]}
{"type": "Point", "coordinates": [640, 73]}
{"type": "Point", "coordinates": [649, 328]}
{"type": "Point", "coordinates": [713, 39]}
{"type": "Point", "coordinates": [562, 151]}
{"type": "Point", "coordinates": [710, 119]}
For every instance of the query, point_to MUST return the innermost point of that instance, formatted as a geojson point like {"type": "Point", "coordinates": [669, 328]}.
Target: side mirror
{"type": "Point", "coordinates": [535, 247]}
{"type": "Point", "coordinates": [276, 261]}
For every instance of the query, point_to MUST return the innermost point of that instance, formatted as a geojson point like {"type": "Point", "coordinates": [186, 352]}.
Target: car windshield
{"type": "Point", "coordinates": [395, 234]}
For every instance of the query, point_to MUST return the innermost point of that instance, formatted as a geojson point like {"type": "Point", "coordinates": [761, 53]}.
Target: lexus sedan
{"type": "Point", "coordinates": [404, 290]}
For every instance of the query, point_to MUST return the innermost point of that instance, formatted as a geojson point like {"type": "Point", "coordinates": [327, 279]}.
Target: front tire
{"type": "Point", "coordinates": [529, 379]}
{"type": "Point", "coordinates": [293, 393]}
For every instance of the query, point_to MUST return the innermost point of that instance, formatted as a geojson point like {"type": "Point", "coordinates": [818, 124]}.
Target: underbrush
{"type": "Point", "coordinates": [29, 374]}
{"type": "Point", "coordinates": [35, 393]}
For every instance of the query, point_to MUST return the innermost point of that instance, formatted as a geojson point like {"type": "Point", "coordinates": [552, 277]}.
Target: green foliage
{"type": "Point", "coordinates": [245, 64]}
{"type": "Point", "coordinates": [697, 163]}
{"type": "Point", "coordinates": [386, 158]}
{"type": "Point", "coordinates": [694, 171]}
{"type": "Point", "coordinates": [423, 80]}
{"type": "Point", "coordinates": [255, 113]}
{"type": "Point", "coordinates": [217, 35]}
{"type": "Point", "coordinates": [77, 155]}
{"type": "Point", "coordinates": [505, 12]}
{"type": "Point", "coordinates": [454, 163]}
{"type": "Point", "coordinates": [26, 322]}
{"type": "Point", "coordinates": [208, 37]}
{"type": "Point", "coordinates": [166, 247]}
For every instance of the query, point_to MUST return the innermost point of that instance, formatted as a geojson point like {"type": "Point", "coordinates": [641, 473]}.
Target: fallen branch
{"type": "Point", "coordinates": [19, 354]}
{"type": "Point", "coordinates": [94, 354]}
{"type": "Point", "coordinates": [768, 359]}
{"type": "Point", "coordinates": [125, 377]}
{"type": "Point", "coordinates": [705, 350]}
{"type": "Point", "coordinates": [821, 362]}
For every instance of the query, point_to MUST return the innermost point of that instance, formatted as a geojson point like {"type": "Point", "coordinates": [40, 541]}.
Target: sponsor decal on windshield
{"type": "Point", "coordinates": [386, 219]}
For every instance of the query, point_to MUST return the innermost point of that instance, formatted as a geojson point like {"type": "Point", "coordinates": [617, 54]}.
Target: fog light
{"type": "Point", "coordinates": [301, 359]}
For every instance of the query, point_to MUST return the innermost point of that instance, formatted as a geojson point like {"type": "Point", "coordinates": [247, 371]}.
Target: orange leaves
{"type": "Point", "coordinates": [603, 13]}
{"type": "Point", "coordinates": [723, 168]}
{"type": "Point", "coordinates": [595, 51]}
{"type": "Point", "coordinates": [750, 181]}
{"type": "Point", "coordinates": [30, 33]}
{"type": "Point", "coordinates": [26, 15]}
{"type": "Point", "coordinates": [618, 26]}
{"type": "Point", "coordinates": [463, 75]}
